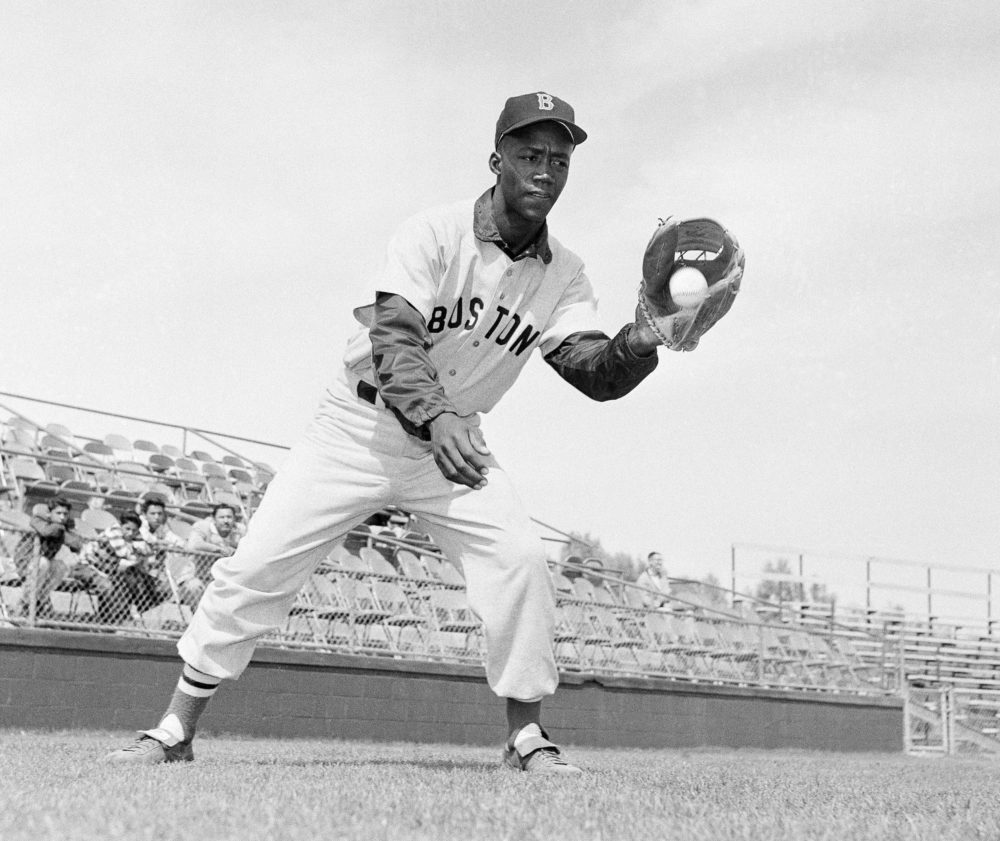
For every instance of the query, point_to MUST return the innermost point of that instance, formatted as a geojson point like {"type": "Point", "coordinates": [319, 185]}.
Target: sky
{"type": "Point", "coordinates": [196, 195]}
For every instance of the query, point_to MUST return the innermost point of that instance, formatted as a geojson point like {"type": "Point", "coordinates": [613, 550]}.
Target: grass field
{"type": "Point", "coordinates": [248, 789]}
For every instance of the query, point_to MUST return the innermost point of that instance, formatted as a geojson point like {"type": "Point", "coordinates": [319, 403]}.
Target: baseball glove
{"type": "Point", "coordinates": [708, 247]}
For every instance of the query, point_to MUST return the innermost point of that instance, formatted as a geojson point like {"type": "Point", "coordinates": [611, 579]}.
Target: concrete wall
{"type": "Point", "coordinates": [63, 679]}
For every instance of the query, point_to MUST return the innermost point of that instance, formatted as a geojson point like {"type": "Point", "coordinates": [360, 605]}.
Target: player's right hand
{"type": "Point", "coordinates": [460, 450]}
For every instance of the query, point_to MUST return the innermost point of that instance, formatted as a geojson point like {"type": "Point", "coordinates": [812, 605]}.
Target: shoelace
{"type": "Point", "coordinates": [548, 757]}
{"type": "Point", "coordinates": [138, 744]}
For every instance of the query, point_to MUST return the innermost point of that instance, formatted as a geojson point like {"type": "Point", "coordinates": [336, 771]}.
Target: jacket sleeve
{"type": "Point", "coordinates": [73, 541]}
{"type": "Point", "coordinates": [46, 528]}
{"type": "Point", "coordinates": [602, 368]}
{"type": "Point", "coordinates": [405, 376]}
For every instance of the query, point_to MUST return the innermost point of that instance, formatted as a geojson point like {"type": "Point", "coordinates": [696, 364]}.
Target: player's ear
{"type": "Point", "coordinates": [495, 163]}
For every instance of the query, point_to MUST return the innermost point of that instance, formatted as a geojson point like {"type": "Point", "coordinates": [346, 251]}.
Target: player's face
{"type": "Point", "coordinates": [155, 515]}
{"type": "Point", "coordinates": [130, 531]}
{"type": "Point", "coordinates": [533, 166]}
{"type": "Point", "coordinates": [59, 514]}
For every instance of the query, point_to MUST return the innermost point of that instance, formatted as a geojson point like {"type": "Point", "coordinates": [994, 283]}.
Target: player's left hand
{"type": "Point", "coordinates": [460, 450]}
{"type": "Point", "coordinates": [702, 244]}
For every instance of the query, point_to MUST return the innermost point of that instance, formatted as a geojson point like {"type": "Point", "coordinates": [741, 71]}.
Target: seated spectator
{"type": "Point", "coordinates": [399, 523]}
{"type": "Point", "coordinates": [52, 525]}
{"type": "Point", "coordinates": [654, 579]}
{"type": "Point", "coordinates": [215, 537]}
{"type": "Point", "coordinates": [573, 567]}
{"type": "Point", "coordinates": [6, 499]}
{"type": "Point", "coordinates": [161, 540]}
{"type": "Point", "coordinates": [113, 569]}
{"type": "Point", "coordinates": [594, 571]}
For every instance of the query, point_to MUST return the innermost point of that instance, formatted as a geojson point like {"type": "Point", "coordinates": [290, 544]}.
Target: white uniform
{"type": "Point", "coordinates": [486, 313]}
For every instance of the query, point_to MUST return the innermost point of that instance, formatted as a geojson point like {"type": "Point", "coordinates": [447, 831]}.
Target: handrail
{"type": "Point", "coordinates": [854, 556]}
{"type": "Point", "coordinates": [721, 614]}
{"type": "Point", "coordinates": [182, 427]}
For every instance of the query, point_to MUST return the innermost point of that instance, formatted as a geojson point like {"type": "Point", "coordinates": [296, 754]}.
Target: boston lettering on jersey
{"type": "Point", "coordinates": [501, 329]}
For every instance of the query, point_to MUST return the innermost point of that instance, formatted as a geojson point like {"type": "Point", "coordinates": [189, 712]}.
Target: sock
{"type": "Point", "coordinates": [527, 732]}
{"type": "Point", "coordinates": [194, 690]}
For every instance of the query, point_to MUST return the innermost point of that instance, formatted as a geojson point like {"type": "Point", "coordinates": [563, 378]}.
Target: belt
{"type": "Point", "coordinates": [370, 394]}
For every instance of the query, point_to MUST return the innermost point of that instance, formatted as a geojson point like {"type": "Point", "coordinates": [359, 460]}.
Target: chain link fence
{"type": "Point", "coordinates": [386, 596]}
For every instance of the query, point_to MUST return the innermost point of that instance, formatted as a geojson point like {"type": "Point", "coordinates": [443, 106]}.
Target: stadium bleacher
{"type": "Point", "coordinates": [391, 592]}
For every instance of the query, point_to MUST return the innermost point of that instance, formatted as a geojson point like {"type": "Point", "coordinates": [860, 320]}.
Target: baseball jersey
{"type": "Point", "coordinates": [485, 311]}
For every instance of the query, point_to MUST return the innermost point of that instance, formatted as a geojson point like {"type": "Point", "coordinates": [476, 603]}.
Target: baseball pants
{"type": "Point", "coordinates": [353, 461]}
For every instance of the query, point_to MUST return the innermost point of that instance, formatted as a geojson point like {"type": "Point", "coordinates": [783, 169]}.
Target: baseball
{"type": "Point", "coordinates": [688, 287]}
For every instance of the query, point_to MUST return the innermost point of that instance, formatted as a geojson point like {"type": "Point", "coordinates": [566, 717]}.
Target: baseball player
{"type": "Point", "coordinates": [468, 292]}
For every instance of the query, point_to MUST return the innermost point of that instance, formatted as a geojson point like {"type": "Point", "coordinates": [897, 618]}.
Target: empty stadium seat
{"type": "Point", "coordinates": [120, 445]}
{"type": "Point", "coordinates": [391, 598]}
{"type": "Point", "coordinates": [60, 473]}
{"type": "Point", "coordinates": [142, 446]}
{"type": "Point", "coordinates": [98, 518]}
{"type": "Point", "coordinates": [411, 567]}
{"type": "Point", "coordinates": [101, 452]}
{"type": "Point", "coordinates": [455, 630]}
{"type": "Point", "coordinates": [449, 574]}
{"type": "Point", "coordinates": [160, 463]}
{"type": "Point", "coordinates": [238, 474]}
{"type": "Point", "coordinates": [376, 562]}
{"type": "Point", "coordinates": [20, 443]}
{"type": "Point", "coordinates": [56, 447]}
{"type": "Point", "coordinates": [562, 584]}
{"type": "Point", "coordinates": [59, 430]}
{"type": "Point", "coordinates": [182, 528]}
{"type": "Point", "coordinates": [26, 470]}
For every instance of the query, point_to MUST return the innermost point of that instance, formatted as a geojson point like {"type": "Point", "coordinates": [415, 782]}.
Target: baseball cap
{"type": "Point", "coordinates": [537, 107]}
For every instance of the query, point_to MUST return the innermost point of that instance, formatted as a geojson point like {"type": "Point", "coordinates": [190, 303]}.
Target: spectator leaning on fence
{"type": "Point", "coordinates": [216, 536]}
{"type": "Point", "coordinates": [52, 525]}
{"type": "Point", "coordinates": [654, 579]}
{"type": "Point", "coordinates": [113, 567]}
{"type": "Point", "coordinates": [161, 540]}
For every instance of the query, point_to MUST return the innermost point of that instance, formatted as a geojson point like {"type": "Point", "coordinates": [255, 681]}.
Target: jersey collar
{"type": "Point", "coordinates": [485, 229]}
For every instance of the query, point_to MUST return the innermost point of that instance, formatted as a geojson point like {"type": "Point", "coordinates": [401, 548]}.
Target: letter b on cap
{"type": "Point", "coordinates": [545, 102]}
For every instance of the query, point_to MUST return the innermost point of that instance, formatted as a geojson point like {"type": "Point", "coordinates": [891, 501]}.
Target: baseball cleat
{"type": "Point", "coordinates": [149, 750]}
{"type": "Point", "coordinates": [537, 755]}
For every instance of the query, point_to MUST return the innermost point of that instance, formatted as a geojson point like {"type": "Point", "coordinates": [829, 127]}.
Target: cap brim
{"type": "Point", "coordinates": [577, 134]}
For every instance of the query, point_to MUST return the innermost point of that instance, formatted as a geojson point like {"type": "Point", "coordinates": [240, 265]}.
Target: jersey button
{"type": "Point", "coordinates": [502, 295]}
{"type": "Point", "coordinates": [451, 373]}
{"type": "Point", "coordinates": [476, 343]}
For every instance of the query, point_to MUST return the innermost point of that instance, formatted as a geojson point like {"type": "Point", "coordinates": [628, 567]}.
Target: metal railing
{"type": "Point", "coordinates": [363, 604]}
{"type": "Point", "coordinates": [948, 720]}
{"type": "Point", "coordinates": [955, 598]}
